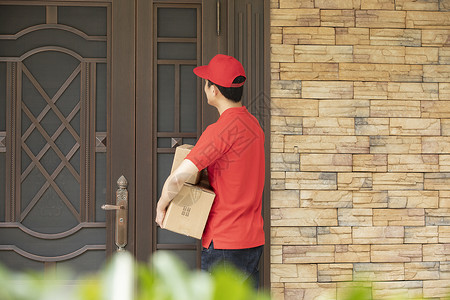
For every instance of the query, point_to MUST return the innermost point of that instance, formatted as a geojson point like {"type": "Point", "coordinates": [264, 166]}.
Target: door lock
{"type": "Point", "coordinates": [121, 209]}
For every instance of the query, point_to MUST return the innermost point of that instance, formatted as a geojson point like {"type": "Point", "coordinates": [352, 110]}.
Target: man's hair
{"type": "Point", "coordinates": [232, 93]}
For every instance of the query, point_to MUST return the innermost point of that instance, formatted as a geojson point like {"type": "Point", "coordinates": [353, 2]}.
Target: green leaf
{"type": "Point", "coordinates": [173, 275]}
{"type": "Point", "coordinates": [230, 285]}
{"type": "Point", "coordinates": [118, 279]}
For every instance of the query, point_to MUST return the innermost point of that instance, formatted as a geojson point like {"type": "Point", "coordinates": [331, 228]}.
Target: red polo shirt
{"type": "Point", "coordinates": [233, 151]}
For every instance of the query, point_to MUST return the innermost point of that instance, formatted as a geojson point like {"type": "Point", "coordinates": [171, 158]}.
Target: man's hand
{"type": "Point", "coordinates": [160, 214]}
{"type": "Point", "coordinates": [172, 187]}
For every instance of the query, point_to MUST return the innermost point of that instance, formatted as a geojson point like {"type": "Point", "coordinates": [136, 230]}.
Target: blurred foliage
{"type": "Point", "coordinates": [165, 278]}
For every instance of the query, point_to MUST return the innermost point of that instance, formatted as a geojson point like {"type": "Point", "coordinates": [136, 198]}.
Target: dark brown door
{"type": "Point", "coordinates": [66, 118]}
{"type": "Point", "coordinates": [177, 102]}
{"type": "Point", "coordinates": [185, 35]}
{"type": "Point", "coordinates": [91, 91]}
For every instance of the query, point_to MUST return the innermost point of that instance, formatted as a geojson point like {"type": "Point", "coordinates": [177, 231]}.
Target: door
{"type": "Point", "coordinates": [186, 35]}
{"type": "Point", "coordinates": [93, 90]}
{"type": "Point", "coordinates": [177, 102]}
{"type": "Point", "coordinates": [67, 130]}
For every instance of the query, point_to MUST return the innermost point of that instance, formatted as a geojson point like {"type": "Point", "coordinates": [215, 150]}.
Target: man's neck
{"type": "Point", "coordinates": [225, 104]}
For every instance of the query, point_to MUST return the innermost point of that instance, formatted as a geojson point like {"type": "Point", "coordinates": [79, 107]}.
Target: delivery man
{"type": "Point", "coordinates": [232, 150]}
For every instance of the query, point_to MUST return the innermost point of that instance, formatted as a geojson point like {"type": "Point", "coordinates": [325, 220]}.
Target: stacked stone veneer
{"type": "Point", "coordinates": [360, 147]}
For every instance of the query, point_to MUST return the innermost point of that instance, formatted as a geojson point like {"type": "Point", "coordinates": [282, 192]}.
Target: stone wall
{"type": "Point", "coordinates": [360, 147]}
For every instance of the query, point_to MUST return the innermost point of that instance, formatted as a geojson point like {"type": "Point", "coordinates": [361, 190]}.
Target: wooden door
{"type": "Point", "coordinates": [66, 118]}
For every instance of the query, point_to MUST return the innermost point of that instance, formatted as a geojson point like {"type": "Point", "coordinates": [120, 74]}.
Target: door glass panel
{"type": "Point", "coordinates": [29, 16]}
{"type": "Point", "coordinates": [35, 142]}
{"type": "Point", "coordinates": [55, 207]}
{"type": "Point", "coordinates": [50, 123]}
{"type": "Point", "coordinates": [75, 123]}
{"type": "Point", "coordinates": [50, 161]}
{"type": "Point", "coordinates": [90, 20]}
{"type": "Point", "coordinates": [69, 186]}
{"type": "Point", "coordinates": [32, 100]}
{"type": "Point", "coordinates": [169, 237]}
{"type": "Point", "coordinates": [164, 142]}
{"type": "Point", "coordinates": [26, 162]}
{"type": "Point", "coordinates": [51, 69]}
{"type": "Point", "coordinates": [31, 186]}
{"type": "Point", "coordinates": [87, 262]}
{"type": "Point", "coordinates": [65, 102]}
{"type": "Point", "coordinates": [177, 22]}
{"type": "Point", "coordinates": [100, 186]}
{"type": "Point", "coordinates": [16, 262]}
{"type": "Point", "coordinates": [188, 99]}
{"type": "Point", "coordinates": [2, 185]}
{"type": "Point", "coordinates": [101, 98]}
{"type": "Point", "coordinates": [75, 161]}
{"type": "Point", "coordinates": [164, 166]}
{"type": "Point", "coordinates": [188, 256]}
{"type": "Point", "coordinates": [190, 141]}
{"type": "Point", "coordinates": [50, 214]}
{"type": "Point", "coordinates": [2, 96]}
{"type": "Point", "coordinates": [54, 37]}
{"type": "Point", "coordinates": [65, 142]}
{"type": "Point", "coordinates": [26, 123]}
{"type": "Point", "coordinates": [166, 97]}
{"type": "Point", "coordinates": [177, 51]}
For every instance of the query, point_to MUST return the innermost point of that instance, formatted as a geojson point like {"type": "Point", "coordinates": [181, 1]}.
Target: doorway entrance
{"type": "Point", "coordinates": [95, 90]}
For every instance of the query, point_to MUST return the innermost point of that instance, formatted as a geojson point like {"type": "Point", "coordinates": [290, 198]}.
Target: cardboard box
{"type": "Point", "coordinates": [180, 154]}
{"type": "Point", "coordinates": [188, 211]}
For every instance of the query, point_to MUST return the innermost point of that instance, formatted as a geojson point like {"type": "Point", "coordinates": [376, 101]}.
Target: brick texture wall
{"type": "Point", "coordinates": [360, 147]}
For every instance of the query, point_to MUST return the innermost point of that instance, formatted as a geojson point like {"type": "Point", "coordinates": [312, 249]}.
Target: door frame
{"type": "Point", "coordinates": [144, 230]}
{"type": "Point", "coordinates": [122, 132]}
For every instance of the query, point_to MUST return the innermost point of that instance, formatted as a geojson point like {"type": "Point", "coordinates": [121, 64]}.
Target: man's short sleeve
{"type": "Point", "coordinates": [208, 149]}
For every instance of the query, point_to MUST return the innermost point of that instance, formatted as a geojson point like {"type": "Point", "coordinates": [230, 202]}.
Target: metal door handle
{"type": "Point", "coordinates": [112, 207]}
{"type": "Point", "coordinates": [121, 209]}
{"type": "Point", "coordinates": [218, 17]}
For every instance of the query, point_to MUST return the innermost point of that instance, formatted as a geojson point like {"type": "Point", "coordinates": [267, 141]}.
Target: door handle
{"type": "Point", "coordinates": [112, 207]}
{"type": "Point", "coordinates": [121, 209]}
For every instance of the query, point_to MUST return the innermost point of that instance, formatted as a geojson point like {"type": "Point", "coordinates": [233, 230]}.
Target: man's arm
{"type": "Point", "coordinates": [172, 187]}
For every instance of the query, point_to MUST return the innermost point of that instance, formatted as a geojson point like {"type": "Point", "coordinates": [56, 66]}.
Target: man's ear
{"type": "Point", "coordinates": [215, 90]}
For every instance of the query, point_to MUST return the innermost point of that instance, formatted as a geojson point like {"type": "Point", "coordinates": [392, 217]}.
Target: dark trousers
{"type": "Point", "coordinates": [245, 260]}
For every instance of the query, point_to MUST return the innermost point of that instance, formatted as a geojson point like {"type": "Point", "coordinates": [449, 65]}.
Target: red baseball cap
{"type": "Point", "coordinates": [222, 70]}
